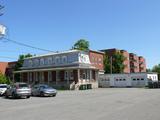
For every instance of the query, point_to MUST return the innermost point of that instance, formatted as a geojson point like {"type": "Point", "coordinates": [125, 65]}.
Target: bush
{"type": "Point", "coordinates": [4, 79]}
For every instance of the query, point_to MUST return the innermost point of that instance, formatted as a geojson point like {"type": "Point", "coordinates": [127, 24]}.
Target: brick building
{"type": "Point", "coordinates": [142, 64]}
{"type": "Point", "coordinates": [69, 69]}
{"type": "Point", "coordinates": [3, 67]}
{"type": "Point", "coordinates": [133, 63]}
{"type": "Point", "coordinates": [96, 59]}
{"type": "Point", "coordinates": [7, 68]}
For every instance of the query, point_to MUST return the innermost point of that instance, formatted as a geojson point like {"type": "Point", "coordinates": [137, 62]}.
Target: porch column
{"type": "Point", "coordinates": [96, 75]}
{"type": "Point", "coordinates": [68, 75]}
{"type": "Point", "coordinates": [13, 78]}
{"type": "Point", "coordinates": [78, 74]}
{"type": "Point", "coordinates": [90, 75]}
{"type": "Point", "coordinates": [21, 78]}
{"type": "Point", "coordinates": [49, 72]}
{"type": "Point", "coordinates": [56, 76]}
{"type": "Point", "coordinates": [28, 77]}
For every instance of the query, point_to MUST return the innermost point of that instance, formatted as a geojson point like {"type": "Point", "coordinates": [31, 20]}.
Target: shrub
{"type": "Point", "coordinates": [4, 79]}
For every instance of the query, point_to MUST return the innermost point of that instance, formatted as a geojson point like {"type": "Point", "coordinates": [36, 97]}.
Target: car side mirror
{"type": "Point", "coordinates": [8, 87]}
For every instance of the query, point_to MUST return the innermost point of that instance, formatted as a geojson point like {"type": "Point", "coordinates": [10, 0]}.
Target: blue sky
{"type": "Point", "coordinates": [133, 25]}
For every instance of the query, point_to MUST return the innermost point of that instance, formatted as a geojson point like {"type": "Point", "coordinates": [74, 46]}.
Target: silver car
{"type": "Point", "coordinates": [43, 90]}
{"type": "Point", "coordinates": [18, 90]}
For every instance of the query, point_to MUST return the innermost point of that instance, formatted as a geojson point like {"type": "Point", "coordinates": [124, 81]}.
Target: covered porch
{"type": "Point", "coordinates": [60, 78]}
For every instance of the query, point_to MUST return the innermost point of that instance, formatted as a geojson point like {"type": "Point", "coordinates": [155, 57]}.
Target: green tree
{"type": "Point", "coordinates": [156, 68]}
{"type": "Point", "coordinates": [107, 64]}
{"type": "Point", "coordinates": [148, 70]}
{"type": "Point", "coordinates": [4, 79]}
{"type": "Point", "coordinates": [19, 64]}
{"type": "Point", "coordinates": [114, 63]}
{"type": "Point", "coordinates": [81, 44]}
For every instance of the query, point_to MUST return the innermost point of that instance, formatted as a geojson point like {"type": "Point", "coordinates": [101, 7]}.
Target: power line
{"type": "Point", "coordinates": [26, 45]}
{"type": "Point", "coordinates": [8, 57]}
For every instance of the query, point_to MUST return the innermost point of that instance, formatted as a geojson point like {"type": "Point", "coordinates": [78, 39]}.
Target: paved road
{"type": "Point", "coordinates": [98, 104]}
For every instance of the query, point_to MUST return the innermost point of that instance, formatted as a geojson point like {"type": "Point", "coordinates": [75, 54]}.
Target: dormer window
{"type": "Point", "coordinates": [30, 63]}
{"type": "Point", "coordinates": [41, 61]}
{"type": "Point", "coordinates": [64, 59]}
{"type": "Point", "coordinates": [57, 60]}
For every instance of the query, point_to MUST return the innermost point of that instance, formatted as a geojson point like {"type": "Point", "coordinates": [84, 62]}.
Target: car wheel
{"type": "Point", "coordinates": [41, 94]}
{"type": "Point", "coordinates": [14, 95]}
{"type": "Point", "coordinates": [6, 96]}
{"type": "Point", "coordinates": [28, 96]}
{"type": "Point", "coordinates": [54, 95]}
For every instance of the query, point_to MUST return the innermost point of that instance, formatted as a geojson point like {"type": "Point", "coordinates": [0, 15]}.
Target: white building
{"type": "Point", "coordinates": [127, 79]}
{"type": "Point", "coordinates": [69, 69]}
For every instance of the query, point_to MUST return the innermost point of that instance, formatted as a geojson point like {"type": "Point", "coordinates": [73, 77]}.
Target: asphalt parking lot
{"type": "Point", "coordinates": [98, 104]}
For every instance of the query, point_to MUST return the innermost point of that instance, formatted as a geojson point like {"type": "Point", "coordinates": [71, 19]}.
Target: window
{"type": "Point", "coordinates": [84, 75]}
{"type": "Point", "coordinates": [134, 79]}
{"type": "Point", "coordinates": [49, 60]}
{"type": "Point", "coordinates": [53, 60]}
{"type": "Point", "coordinates": [36, 62]}
{"type": "Point", "coordinates": [142, 78]}
{"type": "Point", "coordinates": [137, 78]}
{"type": "Point", "coordinates": [64, 59]}
{"type": "Point", "coordinates": [41, 61]}
{"type": "Point", "coordinates": [57, 60]}
{"type": "Point", "coordinates": [100, 61]}
{"type": "Point", "coordinates": [30, 63]}
{"type": "Point", "coordinates": [124, 79]}
{"type": "Point", "coordinates": [46, 61]}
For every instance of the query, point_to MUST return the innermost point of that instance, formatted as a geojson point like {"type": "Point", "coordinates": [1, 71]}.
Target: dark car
{"type": "Point", "coordinates": [43, 90]}
{"type": "Point", "coordinates": [18, 90]}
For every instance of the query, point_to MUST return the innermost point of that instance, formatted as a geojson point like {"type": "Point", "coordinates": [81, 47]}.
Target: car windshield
{"type": "Point", "coordinates": [3, 86]}
{"type": "Point", "coordinates": [45, 87]}
{"type": "Point", "coordinates": [23, 85]}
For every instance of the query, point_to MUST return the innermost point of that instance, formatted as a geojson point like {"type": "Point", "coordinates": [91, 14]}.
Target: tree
{"type": "Point", "coordinates": [81, 44]}
{"type": "Point", "coordinates": [19, 64]}
{"type": "Point", "coordinates": [156, 68]}
{"type": "Point", "coordinates": [20, 61]}
{"type": "Point", "coordinates": [114, 63]}
{"type": "Point", "coordinates": [107, 64]}
{"type": "Point", "coordinates": [4, 79]}
{"type": "Point", "coordinates": [148, 70]}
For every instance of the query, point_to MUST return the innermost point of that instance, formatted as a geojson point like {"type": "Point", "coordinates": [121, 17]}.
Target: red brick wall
{"type": "Point", "coordinates": [126, 62]}
{"type": "Point", "coordinates": [75, 75]}
{"type": "Point", "coordinates": [25, 77]}
{"type": "Point", "coordinates": [134, 63]}
{"type": "Point", "coordinates": [142, 64]}
{"type": "Point", "coordinates": [3, 67]}
{"type": "Point", "coordinates": [45, 76]}
{"type": "Point", "coordinates": [54, 76]}
{"type": "Point", "coordinates": [62, 75]}
{"type": "Point", "coordinates": [96, 59]}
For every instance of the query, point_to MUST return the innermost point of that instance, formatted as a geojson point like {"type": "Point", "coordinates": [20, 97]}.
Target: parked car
{"type": "Point", "coordinates": [3, 88]}
{"type": "Point", "coordinates": [43, 90]}
{"type": "Point", "coordinates": [18, 90]}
